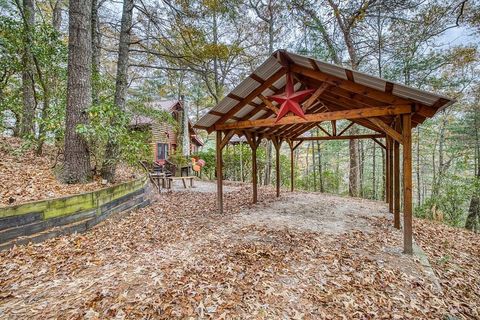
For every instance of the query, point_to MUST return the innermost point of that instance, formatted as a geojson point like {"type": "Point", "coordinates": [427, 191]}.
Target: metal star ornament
{"type": "Point", "coordinates": [290, 100]}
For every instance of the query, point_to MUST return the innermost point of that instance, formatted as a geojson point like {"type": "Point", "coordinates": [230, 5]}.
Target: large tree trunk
{"type": "Point", "coordinates": [79, 91]}
{"type": "Point", "coordinates": [95, 51]}
{"type": "Point", "coordinates": [27, 125]}
{"type": "Point", "coordinates": [110, 162]}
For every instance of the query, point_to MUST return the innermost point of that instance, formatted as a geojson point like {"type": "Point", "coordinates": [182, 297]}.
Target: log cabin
{"type": "Point", "coordinates": [166, 136]}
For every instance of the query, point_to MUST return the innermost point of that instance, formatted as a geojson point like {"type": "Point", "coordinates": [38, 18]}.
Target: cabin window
{"type": "Point", "coordinates": [162, 151]}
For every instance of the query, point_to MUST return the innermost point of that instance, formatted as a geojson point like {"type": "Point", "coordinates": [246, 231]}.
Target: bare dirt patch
{"type": "Point", "coordinates": [179, 259]}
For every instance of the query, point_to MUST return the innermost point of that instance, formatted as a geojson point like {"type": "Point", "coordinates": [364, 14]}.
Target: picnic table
{"type": "Point", "coordinates": [170, 180]}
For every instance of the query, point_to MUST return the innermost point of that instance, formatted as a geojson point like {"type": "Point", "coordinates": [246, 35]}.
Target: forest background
{"type": "Point", "coordinates": [72, 73]}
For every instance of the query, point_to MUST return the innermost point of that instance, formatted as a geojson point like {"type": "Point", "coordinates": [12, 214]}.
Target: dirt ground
{"type": "Point", "coordinates": [303, 256]}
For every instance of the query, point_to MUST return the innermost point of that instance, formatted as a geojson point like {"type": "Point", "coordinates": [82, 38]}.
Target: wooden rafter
{"type": "Point", "coordinates": [268, 103]}
{"type": "Point", "coordinates": [313, 98]}
{"type": "Point", "coordinates": [349, 85]}
{"type": "Point", "coordinates": [277, 75]}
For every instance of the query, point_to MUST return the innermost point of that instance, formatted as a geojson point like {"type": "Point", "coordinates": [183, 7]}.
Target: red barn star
{"type": "Point", "coordinates": [290, 99]}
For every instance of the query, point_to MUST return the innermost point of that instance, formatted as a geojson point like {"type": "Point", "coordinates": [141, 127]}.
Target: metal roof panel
{"type": "Point", "coordinates": [268, 68]}
{"type": "Point", "coordinates": [369, 81]}
{"type": "Point", "coordinates": [415, 94]}
{"type": "Point", "coordinates": [225, 105]}
{"type": "Point", "coordinates": [331, 69]}
{"type": "Point", "coordinates": [207, 120]}
{"type": "Point", "coordinates": [244, 111]}
{"type": "Point", "coordinates": [245, 87]}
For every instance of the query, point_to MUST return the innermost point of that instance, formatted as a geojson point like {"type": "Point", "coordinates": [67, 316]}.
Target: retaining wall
{"type": "Point", "coordinates": [40, 220]}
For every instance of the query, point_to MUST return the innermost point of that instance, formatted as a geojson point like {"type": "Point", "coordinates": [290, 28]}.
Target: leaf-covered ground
{"type": "Point", "coordinates": [27, 177]}
{"type": "Point", "coordinates": [179, 259]}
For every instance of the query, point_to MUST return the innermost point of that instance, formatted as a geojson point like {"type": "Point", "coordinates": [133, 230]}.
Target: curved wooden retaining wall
{"type": "Point", "coordinates": [40, 220]}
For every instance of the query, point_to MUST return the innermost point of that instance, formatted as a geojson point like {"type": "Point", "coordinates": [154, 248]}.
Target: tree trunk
{"type": "Point", "coordinates": [121, 84]}
{"type": "Point", "coordinates": [79, 91]}
{"type": "Point", "coordinates": [473, 218]}
{"type": "Point", "coordinates": [95, 51]}
{"type": "Point", "coordinates": [354, 169]}
{"type": "Point", "coordinates": [27, 125]}
{"type": "Point", "coordinates": [320, 169]}
{"type": "Point", "coordinates": [57, 15]}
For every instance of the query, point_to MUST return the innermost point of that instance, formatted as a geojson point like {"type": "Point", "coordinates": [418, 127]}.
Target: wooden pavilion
{"type": "Point", "coordinates": [390, 110]}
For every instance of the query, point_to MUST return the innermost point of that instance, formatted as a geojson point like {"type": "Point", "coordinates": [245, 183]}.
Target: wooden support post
{"type": "Point", "coordinates": [387, 167]}
{"type": "Point", "coordinates": [219, 165]}
{"type": "Point", "coordinates": [277, 143]}
{"type": "Point", "coordinates": [396, 179]}
{"type": "Point", "coordinates": [254, 174]}
{"type": "Point", "coordinates": [254, 141]}
{"type": "Point", "coordinates": [390, 178]}
{"type": "Point", "coordinates": [290, 143]}
{"type": "Point", "coordinates": [407, 183]}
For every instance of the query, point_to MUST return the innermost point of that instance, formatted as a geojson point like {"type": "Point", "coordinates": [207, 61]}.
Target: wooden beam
{"type": "Point", "coordinates": [277, 75]}
{"type": "Point", "coordinates": [390, 177]}
{"type": "Point", "coordinates": [352, 137]}
{"type": "Point", "coordinates": [219, 165]}
{"type": "Point", "coordinates": [318, 117]}
{"type": "Point", "coordinates": [363, 122]}
{"type": "Point", "coordinates": [257, 78]}
{"type": "Point", "coordinates": [387, 129]}
{"type": "Point", "coordinates": [325, 131]}
{"type": "Point", "coordinates": [277, 142]}
{"type": "Point", "coordinates": [387, 168]}
{"type": "Point", "coordinates": [297, 145]}
{"type": "Point", "coordinates": [348, 85]}
{"type": "Point", "coordinates": [226, 139]}
{"type": "Point", "coordinates": [309, 102]}
{"type": "Point", "coordinates": [254, 142]}
{"type": "Point", "coordinates": [346, 128]}
{"type": "Point", "coordinates": [268, 103]}
{"type": "Point", "coordinates": [379, 143]}
{"type": "Point", "coordinates": [234, 97]}
{"type": "Point", "coordinates": [334, 127]}
{"type": "Point", "coordinates": [407, 184]}
{"type": "Point", "coordinates": [396, 182]}
{"type": "Point", "coordinates": [292, 149]}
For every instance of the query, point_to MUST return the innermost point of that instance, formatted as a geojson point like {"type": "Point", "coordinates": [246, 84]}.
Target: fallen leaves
{"type": "Point", "coordinates": [179, 259]}
{"type": "Point", "coordinates": [27, 177]}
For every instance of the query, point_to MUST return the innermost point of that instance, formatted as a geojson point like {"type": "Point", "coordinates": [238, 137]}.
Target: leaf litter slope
{"type": "Point", "coordinates": [179, 259]}
{"type": "Point", "coordinates": [25, 176]}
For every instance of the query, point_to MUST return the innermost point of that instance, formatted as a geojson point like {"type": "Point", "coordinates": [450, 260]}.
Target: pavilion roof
{"type": "Point", "coordinates": [338, 89]}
